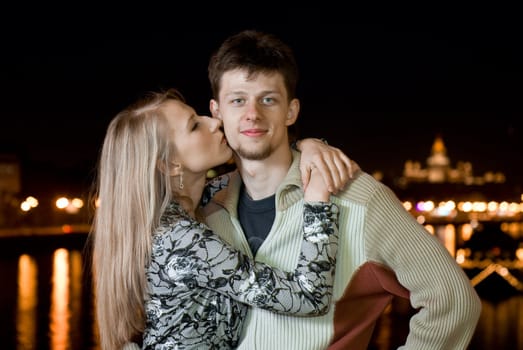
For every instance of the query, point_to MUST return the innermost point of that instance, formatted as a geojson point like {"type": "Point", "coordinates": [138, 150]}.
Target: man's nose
{"type": "Point", "coordinates": [252, 111]}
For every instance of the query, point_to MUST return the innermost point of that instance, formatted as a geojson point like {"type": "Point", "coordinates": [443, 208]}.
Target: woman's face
{"type": "Point", "coordinates": [199, 141]}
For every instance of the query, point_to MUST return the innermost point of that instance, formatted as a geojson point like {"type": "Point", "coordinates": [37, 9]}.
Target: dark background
{"type": "Point", "coordinates": [378, 82]}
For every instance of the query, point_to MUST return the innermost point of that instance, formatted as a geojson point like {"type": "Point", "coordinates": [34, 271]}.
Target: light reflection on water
{"type": "Point", "coordinates": [27, 302]}
{"type": "Point", "coordinates": [59, 313]}
{"type": "Point", "coordinates": [501, 324]}
{"type": "Point", "coordinates": [52, 308]}
{"type": "Point", "coordinates": [61, 328]}
{"type": "Point", "coordinates": [75, 288]}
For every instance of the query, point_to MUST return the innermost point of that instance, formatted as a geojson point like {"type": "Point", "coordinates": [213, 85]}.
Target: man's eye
{"type": "Point", "coordinates": [195, 126]}
{"type": "Point", "coordinates": [268, 100]}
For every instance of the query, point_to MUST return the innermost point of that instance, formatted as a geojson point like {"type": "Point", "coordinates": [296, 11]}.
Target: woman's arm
{"type": "Point", "coordinates": [334, 166]}
{"type": "Point", "coordinates": [197, 255]}
{"type": "Point", "coordinates": [212, 187]}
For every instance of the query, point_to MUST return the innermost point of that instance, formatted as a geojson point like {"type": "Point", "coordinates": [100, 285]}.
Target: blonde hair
{"type": "Point", "coordinates": [132, 194]}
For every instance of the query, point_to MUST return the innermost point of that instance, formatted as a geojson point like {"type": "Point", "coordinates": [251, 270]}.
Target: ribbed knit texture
{"type": "Point", "coordinates": [373, 227]}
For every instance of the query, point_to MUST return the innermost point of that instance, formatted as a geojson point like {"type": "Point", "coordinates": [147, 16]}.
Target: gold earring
{"type": "Point", "coordinates": [181, 181]}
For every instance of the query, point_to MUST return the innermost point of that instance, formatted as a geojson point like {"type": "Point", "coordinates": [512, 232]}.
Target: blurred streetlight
{"type": "Point", "coordinates": [70, 206]}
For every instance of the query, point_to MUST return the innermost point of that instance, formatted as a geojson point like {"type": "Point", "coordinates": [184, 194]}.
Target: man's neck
{"type": "Point", "coordinates": [262, 177]}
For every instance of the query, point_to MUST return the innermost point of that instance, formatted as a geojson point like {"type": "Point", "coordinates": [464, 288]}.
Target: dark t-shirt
{"type": "Point", "coordinates": [256, 218]}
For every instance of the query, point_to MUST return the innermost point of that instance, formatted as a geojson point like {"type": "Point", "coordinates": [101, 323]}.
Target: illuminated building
{"type": "Point", "coordinates": [439, 170]}
{"type": "Point", "coordinates": [479, 219]}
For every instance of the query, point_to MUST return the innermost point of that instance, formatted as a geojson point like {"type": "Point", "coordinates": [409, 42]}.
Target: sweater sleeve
{"type": "Point", "coordinates": [193, 254]}
{"type": "Point", "coordinates": [449, 307]}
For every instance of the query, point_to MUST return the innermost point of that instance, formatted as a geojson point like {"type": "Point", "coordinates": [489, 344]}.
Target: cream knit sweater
{"type": "Point", "coordinates": [383, 252]}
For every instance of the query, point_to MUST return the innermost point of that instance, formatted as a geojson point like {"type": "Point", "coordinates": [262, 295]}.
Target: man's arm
{"type": "Point", "coordinates": [449, 307]}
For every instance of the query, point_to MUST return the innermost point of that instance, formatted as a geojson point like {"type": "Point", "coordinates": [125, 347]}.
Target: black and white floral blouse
{"type": "Point", "coordinates": [200, 287]}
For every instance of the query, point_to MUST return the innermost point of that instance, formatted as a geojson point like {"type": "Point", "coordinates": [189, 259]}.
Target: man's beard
{"type": "Point", "coordinates": [258, 154]}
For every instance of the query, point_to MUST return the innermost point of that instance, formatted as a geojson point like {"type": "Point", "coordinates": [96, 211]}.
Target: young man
{"type": "Point", "coordinates": [383, 252]}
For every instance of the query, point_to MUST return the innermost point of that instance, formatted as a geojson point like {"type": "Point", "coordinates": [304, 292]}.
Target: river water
{"type": "Point", "coordinates": [46, 302]}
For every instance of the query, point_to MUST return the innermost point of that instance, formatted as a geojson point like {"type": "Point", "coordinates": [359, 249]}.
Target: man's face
{"type": "Point", "coordinates": [255, 113]}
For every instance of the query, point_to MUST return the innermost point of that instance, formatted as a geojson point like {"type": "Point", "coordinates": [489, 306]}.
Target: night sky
{"type": "Point", "coordinates": [379, 85]}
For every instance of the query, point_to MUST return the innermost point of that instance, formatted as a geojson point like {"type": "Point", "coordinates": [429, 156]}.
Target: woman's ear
{"type": "Point", "coordinates": [175, 169]}
{"type": "Point", "coordinates": [170, 168]}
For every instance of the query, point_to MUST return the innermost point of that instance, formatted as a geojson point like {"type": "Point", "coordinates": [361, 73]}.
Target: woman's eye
{"type": "Point", "coordinates": [195, 126]}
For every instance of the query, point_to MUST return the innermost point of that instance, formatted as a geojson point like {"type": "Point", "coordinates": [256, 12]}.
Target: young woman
{"type": "Point", "coordinates": [159, 272]}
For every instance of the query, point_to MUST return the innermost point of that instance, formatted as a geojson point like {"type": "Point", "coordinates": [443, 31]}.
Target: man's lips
{"type": "Point", "coordinates": [253, 132]}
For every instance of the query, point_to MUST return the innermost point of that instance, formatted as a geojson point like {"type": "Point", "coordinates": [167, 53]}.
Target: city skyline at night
{"type": "Point", "coordinates": [380, 88]}
{"type": "Point", "coordinates": [426, 98]}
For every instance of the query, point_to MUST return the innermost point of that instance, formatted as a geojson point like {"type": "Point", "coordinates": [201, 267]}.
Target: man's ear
{"type": "Point", "coordinates": [214, 108]}
{"type": "Point", "coordinates": [294, 110]}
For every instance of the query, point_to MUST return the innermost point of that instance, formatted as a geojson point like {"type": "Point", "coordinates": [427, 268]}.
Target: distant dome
{"type": "Point", "coordinates": [439, 146]}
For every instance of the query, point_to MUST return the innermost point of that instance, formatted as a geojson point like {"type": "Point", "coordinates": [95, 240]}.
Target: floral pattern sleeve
{"type": "Point", "coordinates": [212, 187]}
{"type": "Point", "coordinates": [199, 287]}
{"type": "Point", "coordinates": [189, 253]}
